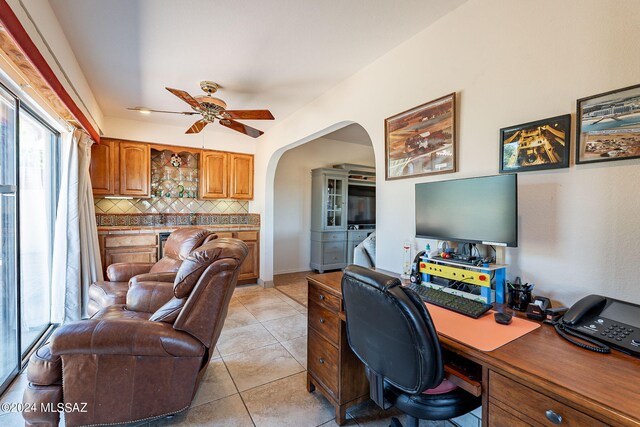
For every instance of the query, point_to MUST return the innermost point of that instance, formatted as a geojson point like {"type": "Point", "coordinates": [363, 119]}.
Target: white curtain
{"type": "Point", "coordinates": [76, 254]}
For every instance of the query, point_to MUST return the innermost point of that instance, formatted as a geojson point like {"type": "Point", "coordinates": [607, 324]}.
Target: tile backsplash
{"type": "Point", "coordinates": [169, 205]}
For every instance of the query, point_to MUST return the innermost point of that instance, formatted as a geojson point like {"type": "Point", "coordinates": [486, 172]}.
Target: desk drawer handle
{"type": "Point", "coordinates": [321, 360]}
{"type": "Point", "coordinates": [321, 320]}
{"type": "Point", "coordinates": [553, 417]}
{"type": "Point", "coordinates": [321, 297]}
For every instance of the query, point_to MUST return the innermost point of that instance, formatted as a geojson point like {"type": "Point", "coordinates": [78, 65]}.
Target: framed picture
{"type": "Point", "coordinates": [422, 141]}
{"type": "Point", "coordinates": [608, 126]}
{"type": "Point", "coordinates": [543, 144]}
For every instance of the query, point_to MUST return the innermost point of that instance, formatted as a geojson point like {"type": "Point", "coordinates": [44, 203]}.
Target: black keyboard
{"type": "Point", "coordinates": [451, 302]}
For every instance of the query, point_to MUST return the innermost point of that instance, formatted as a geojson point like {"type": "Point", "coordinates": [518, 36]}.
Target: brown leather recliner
{"type": "Point", "coordinates": [141, 360]}
{"type": "Point", "coordinates": [177, 247]}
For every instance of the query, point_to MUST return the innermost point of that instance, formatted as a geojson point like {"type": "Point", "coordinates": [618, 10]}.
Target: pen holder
{"type": "Point", "coordinates": [519, 297]}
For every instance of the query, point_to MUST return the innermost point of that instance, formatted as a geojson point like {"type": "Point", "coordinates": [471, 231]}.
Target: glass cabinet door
{"type": "Point", "coordinates": [335, 192]}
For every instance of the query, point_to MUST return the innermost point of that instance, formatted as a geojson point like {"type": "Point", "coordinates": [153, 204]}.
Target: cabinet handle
{"type": "Point", "coordinates": [321, 320]}
{"type": "Point", "coordinates": [553, 417]}
{"type": "Point", "coordinates": [321, 297]}
{"type": "Point", "coordinates": [321, 360]}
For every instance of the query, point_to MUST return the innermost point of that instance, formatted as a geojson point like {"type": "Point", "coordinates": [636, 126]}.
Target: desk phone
{"type": "Point", "coordinates": [604, 322]}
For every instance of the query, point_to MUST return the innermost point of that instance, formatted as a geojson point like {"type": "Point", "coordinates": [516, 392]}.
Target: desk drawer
{"type": "Point", "coordinates": [522, 400]}
{"type": "Point", "coordinates": [324, 321]}
{"type": "Point", "coordinates": [323, 298]}
{"type": "Point", "coordinates": [500, 418]}
{"type": "Point", "coordinates": [322, 362]}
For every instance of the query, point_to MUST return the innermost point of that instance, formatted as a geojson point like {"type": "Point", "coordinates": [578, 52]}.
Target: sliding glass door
{"type": "Point", "coordinates": [9, 338]}
{"type": "Point", "coordinates": [28, 199]}
{"type": "Point", "coordinates": [37, 147]}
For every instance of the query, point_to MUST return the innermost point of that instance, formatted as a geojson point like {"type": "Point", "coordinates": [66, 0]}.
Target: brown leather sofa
{"type": "Point", "coordinates": [143, 359]}
{"type": "Point", "coordinates": [114, 290]}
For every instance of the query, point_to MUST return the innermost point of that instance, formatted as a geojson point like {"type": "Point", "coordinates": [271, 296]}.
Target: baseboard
{"type": "Point", "coordinates": [293, 270]}
{"type": "Point", "coordinates": [266, 283]}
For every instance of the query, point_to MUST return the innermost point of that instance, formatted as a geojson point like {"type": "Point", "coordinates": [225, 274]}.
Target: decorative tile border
{"type": "Point", "coordinates": [168, 220]}
{"type": "Point", "coordinates": [170, 205]}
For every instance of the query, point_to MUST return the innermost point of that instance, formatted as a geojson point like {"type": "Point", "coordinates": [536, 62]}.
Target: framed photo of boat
{"type": "Point", "coordinates": [608, 126]}
{"type": "Point", "coordinates": [422, 140]}
{"type": "Point", "coordinates": [543, 144]}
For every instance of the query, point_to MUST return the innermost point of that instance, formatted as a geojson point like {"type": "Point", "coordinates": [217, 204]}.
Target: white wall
{"type": "Point", "coordinates": [292, 197]}
{"type": "Point", "coordinates": [510, 62]}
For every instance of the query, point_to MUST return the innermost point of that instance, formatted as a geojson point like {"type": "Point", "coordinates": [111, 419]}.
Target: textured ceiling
{"type": "Point", "coordinates": [275, 54]}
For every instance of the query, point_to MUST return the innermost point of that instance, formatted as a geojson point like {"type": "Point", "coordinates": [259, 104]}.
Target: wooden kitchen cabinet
{"type": "Point", "coordinates": [128, 248]}
{"type": "Point", "coordinates": [135, 169]}
{"type": "Point", "coordinates": [120, 168]}
{"type": "Point", "coordinates": [104, 158]}
{"type": "Point", "coordinates": [240, 176]}
{"type": "Point", "coordinates": [250, 268]}
{"type": "Point", "coordinates": [214, 175]}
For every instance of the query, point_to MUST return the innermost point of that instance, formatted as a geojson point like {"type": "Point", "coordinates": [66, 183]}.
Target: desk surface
{"type": "Point", "coordinates": [605, 386]}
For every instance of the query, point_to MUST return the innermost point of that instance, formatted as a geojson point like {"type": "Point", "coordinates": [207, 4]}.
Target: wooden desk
{"type": "Point", "coordinates": [541, 371]}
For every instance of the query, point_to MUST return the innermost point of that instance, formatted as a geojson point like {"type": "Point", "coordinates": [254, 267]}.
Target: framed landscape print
{"type": "Point", "coordinates": [608, 126]}
{"type": "Point", "coordinates": [543, 144]}
{"type": "Point", "coordinates": [422, 141]}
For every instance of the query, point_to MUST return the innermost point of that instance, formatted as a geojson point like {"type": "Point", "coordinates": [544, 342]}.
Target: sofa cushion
{"type": "Point", "coordinates": [169, 312]}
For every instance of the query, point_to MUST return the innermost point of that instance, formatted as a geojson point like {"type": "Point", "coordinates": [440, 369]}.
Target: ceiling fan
{"type": "Point", "coordinates": [212, 109]}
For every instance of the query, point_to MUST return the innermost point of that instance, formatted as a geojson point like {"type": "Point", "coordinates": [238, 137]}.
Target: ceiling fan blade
{"type": "Point", "coordinates": [185, 97]}
{"type": "Point", "coordinates": [197, 126]}
{"type": "Point", "coordinates": [237, 126]}
{"type": "Point", "coordinates": [186, 113]}
{"type": "Point", "coordinates": [249, 114]}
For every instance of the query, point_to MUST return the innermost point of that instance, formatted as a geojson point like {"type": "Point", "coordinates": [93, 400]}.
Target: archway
{"type": "Point", "coordinates": [269, 214]}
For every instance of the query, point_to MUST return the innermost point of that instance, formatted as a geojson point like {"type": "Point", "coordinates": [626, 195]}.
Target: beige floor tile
{"type": "Point", "coordinates": [258, 300]}
{"type": "Point", "coordinates": [244, 338]}
{"type": "Point", "coordinates": [272, 311]}
{"type": "Point", "coordinates": [246, 289]}
{"type": "Point", "coordinates": [11, 419]}
{"type": "Point", "coordinates": [287, 328]}
{"type": "Point", "coordinates": [286, 402]}
{"type": "Point", "coordinates": [15, 391]}
{"type": "Point", "coordinates": [298, 349]}
{"type": "Point", "coordinates": [260, 366]}
{"type": "Point", "coordinates": [238, 316]}
{"type": "Point", "coordinates": [227, 412]}
{"type": "Point", "coordinates": [216, 354]}
{"type": "Point", "coordinates": [216, 384]}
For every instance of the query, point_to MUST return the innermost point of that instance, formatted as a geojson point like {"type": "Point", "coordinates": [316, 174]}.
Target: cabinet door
{"type": "Point", "coordinates": [135, 169]}
{"type": "Point", "coordinates": [213, 172]}
{"type": "Point", "coordinates": [335, 192]}
{"type": "Point", "coordinates": [250, 268]}
{"type": "Point", "coordinates": [103, 168]}
{"type": "Point", "coordinates": [241, 176]}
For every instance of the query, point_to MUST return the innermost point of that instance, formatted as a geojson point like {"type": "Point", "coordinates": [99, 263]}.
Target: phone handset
{"type": "Point", "coordinates": [588, 305]}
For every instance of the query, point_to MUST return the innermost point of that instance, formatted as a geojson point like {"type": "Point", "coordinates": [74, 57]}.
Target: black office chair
{"type": "Point", "coordinates": [391, 332]}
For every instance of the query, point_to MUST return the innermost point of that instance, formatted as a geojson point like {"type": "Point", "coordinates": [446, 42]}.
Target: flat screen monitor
{"type": "Point", "coordinates": [475, 210]}
{"type": "Point", "coordinates": [361, 205]}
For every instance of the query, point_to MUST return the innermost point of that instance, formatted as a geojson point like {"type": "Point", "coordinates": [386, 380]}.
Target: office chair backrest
{"type": "Point", "coordinates": [390, 330]}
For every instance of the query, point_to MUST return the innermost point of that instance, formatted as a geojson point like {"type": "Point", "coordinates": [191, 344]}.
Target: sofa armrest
{"type": "Point", "coordinates": [123, 271]}
{"type": "Point", "coordinates": [148, 296]}
{"type": "Point", "coordinates": [124, 337]}
{"type": "Point", "coordinates": [168, 276]}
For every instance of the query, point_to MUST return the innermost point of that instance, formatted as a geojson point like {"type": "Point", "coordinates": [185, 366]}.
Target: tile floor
{"type": "Point", "coordinates": [257, 377]}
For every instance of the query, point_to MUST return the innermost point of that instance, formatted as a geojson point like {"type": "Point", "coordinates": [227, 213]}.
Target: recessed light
{"type": "Point", "coordinates": [144, 111]}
